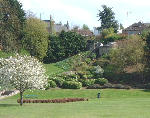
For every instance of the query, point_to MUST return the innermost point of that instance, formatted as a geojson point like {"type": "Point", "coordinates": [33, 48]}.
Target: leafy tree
{"type": "Point", "coordinates": [65, 45]}
{"type": "Point", "coordinates": [129, 53]}
{"type": "Point", "coordinates": [107, 18]}
{"type": "Point", "coordinates": [107, 32]}
{"type": "Point", "coordinates": [12, 19]}
{"type": "Point", "coordinates": [85, 27]}
{"type": "Point", "coordinates": [55, 50]}
{"type": "Point", "coordinates": [36, 37]}
{"type": "Point", "coordinates": [22, 72]}
{"type": "Point", "coordinates": [147, 50]}
{"type": "Point", "coordinates": [108, 35]}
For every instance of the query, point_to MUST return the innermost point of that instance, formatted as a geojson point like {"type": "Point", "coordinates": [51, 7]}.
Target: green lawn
{"type": "Point", "coordinates": [113, 104]}
{"type": "Point", "coordinates": [52, 69]}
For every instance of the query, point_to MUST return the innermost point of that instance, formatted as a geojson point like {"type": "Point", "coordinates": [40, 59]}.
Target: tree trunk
{"type": "Point", "coordinates": [21, 98]}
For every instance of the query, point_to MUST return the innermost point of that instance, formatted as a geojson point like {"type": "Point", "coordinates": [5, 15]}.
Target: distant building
{"type": "Point", "coordinates": [96, 31]}
{"type": "Point", "coordinates": [56, 27]}
{"type": "Point", "coordinates": [59, 27]}
{"type": "Point", "coordinates": [83, 32]}
{"type": "Point", "coordinates": [136, 28]}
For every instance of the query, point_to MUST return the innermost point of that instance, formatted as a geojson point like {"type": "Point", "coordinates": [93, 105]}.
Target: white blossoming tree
{"type": "Point", "coordinates": [22, 72]}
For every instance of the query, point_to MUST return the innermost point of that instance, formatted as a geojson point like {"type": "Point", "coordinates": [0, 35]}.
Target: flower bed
{"type": "Point", "coordinates": [64, 100]}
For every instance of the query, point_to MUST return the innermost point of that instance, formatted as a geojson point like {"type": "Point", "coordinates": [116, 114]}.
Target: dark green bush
{"type": "Point", "coordinates": [108, 85]}
{"type": "Point", "coordinates": [85, 74]}
{"type": "Point", "coordinates": [90, 76]}
{"type": "Point", "coordinates": [147, 86]}
{"type": "Point", "coordinates": [51, 84]}
{"type": "Point", "coordinates": [71, 85]}
{"type": "Point", "coordinates": [120, 86]}
{"type": "Point", "coordinates": [71, 79]}
{"type": "Point", "coordinates": [101, 81]}
{"type": "Point", "coordinates": [64, 45]}
{"type": "Point", "coordinates": [101, 62]}
{"type": "Point", "coordinates": [58, 80]}
{"type": "Point", "coordinates": [112, 38]}
{"type": "Point", "coordinates": [94, 86]}
{"type": "Point", "coordinates": [92, 56]}
{"type": "Point", "coordinates": [73, 76]}
{"type": "Point", "coordinates": [97, 72]}
{"type": "Point", "coordinates": [88, 60]}
{"type": "Point", "coordinates": [87, 82]}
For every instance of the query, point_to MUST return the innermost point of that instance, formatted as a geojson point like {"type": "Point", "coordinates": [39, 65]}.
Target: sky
{"type": "Point", "coordinates": [79, 12]}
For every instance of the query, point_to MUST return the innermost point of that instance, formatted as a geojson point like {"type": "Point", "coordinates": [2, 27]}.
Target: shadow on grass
{"type": "Point", "coordinates": [8, 105]}
{"type": "Point", "coordinates": [146, 90]}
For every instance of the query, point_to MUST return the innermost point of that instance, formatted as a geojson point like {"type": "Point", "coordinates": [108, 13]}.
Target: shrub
{"type": "Point", "coordinates": [129, 55]}
{"type": "Point", "coordinates": [101, 81]}
{"type": "Point", "coordinates": [64, 45]}
{"type": "Point", "coordinates": [108, 85]}
{"type": "Point", "coordinates": [51, 84]}
{"type": "Point", "coordinates": [97, 71]}
{"type": "Point", "coordinates": [88, 60]}
{"type": "Point", "coordinates": [36, 37]}
{"type": "Point", "coordinates": [87, 82]}
{"type": "Point", "coordinates": [73, 76]}
{"type": "Point", "coordinates": [71, 79]}
{"type": "Point", "coordinates": [69, 76]}
{"type": "Point", "coordinates": [64, 100]}
{"type": "Point", "coordinates": [94, 86]}
{"type": "Point", "coordinates": [147, 86]}
{"type": "Point", "coordinates": [82, 74]}
{"type": "Point", "coordinates": [108, 35]}
{"type": "Point", "coordinates": [58, 80]}
{"type": "Point", "coordinates": [92, 56]}
{"type": "Point", "coordinates": [71, 85]}
{"type": "Point", "coordinates": [103, 62]}
{"type": "Point", "coordinates": [120, 86]}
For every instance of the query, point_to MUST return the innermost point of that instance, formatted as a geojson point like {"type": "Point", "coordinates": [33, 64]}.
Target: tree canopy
{"type": "Point", "coordinates": [12, 19]}
{"type": "Point", "coordinates": [129, 53]}
{"type": "Point", "coordinates": [107, 18]}
{"type": "Point", "coordinates": [64, 45]}
{"type": "Point", "coordinates": [35, 37]}
{"type": "Point", "coordinates": [85, 27]}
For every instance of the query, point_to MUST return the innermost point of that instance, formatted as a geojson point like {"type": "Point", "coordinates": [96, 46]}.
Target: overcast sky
{"type": "Point", "coordinates": [79, 12]}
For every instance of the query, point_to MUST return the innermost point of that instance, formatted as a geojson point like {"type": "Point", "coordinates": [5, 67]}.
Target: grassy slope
{"type": "Point", "coordinates": [52, 69]}
{"type": "Point", "coordinates": [113, 104]}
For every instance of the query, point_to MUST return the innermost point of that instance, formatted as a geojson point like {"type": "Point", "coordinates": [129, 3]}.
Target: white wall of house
{"type": "Point", "coordinates": [96, 32]}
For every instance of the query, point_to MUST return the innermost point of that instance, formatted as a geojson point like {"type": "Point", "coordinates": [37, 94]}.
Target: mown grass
{"type": "Point", "coordinates": [112, 104]}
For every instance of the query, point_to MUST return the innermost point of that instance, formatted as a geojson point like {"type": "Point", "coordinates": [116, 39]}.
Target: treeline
{"type": "Point", "coordinates": [23, 31]}
{"type": "Point", "coordinates": [129, 60]}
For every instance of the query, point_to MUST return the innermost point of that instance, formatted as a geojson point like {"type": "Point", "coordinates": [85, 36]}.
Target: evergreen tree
{"type": "Point", "coordinates": [12, 19]}
{"type": "Point", "coordinates": [107, 18]}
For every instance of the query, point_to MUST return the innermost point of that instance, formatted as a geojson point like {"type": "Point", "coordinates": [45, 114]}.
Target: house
{"type": "Point", "coordinates": [104, 49]}
{"type": "Point", "coordinates": [83, 32]}
{"type": "Point", "coordinates": [101, 49]}
{"type": "Point", "coordinates": [56, 27]}
{"type": "Point", "coordinates": [136, 28]}
{"type": "Point", "coordinates": [96, 31]}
